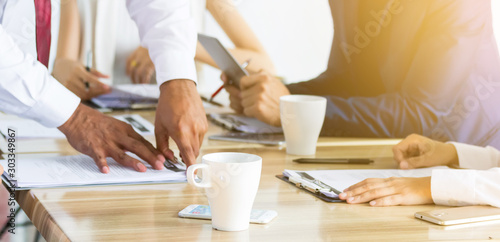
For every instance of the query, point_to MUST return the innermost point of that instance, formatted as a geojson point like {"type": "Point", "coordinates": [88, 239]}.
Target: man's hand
{"type": "Point", "coordinates": [100, 136]}
{"type": "Point", "coordinates": [140, 67]}
{"type": "Point", "coordinates": [259, 97]}
{"type": "Point", "coordinates": [417, 151]}
{"type": "Point", "coordinates": [73, 76]}
{"type": "Point", "coordinates": [180, 115]}
{"type": "Point", "coordinates": [390, 191]}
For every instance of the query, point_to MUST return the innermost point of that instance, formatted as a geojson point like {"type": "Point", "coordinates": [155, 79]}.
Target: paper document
{"type": "Point", "coordinates": [26, 128]}
{"type": "Point", "coordinates": [81, 170]}
{"type": "Point", "coordinates": [129, 96]}
{"type": "Point", "coordinates": [144, 90]}
{"type": "Point", "coordinates": [140, 125]}
{"type": "Point", "coordinates": [342, 179]}
{"type": "Point", "coordinates": [243, 124]}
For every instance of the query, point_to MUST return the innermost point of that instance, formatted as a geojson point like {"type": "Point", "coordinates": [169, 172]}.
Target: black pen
{"type": "Point", "coordinates": [333, 161]}
{"type": "Point", "coordinates": [89, 62]}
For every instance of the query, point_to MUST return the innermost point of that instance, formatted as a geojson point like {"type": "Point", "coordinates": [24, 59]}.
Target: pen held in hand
{"type": "Point", "coordinates": [244, 65]}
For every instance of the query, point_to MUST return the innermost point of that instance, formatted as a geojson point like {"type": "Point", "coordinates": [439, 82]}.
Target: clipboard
{"type": "Point", "coordinates": [317, 195]}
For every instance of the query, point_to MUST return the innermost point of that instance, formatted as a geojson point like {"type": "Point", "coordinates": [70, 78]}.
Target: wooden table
{"type": "Point", "coordinates": [28, 146]}
{"type": "Point", "coordinates": [149, 212]}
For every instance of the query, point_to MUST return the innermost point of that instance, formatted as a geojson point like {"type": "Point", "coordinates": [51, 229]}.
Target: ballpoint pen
{"type": "Point", "coordinates": [89, 57]}
{"type": "Point", "coordinates": [244, 65]}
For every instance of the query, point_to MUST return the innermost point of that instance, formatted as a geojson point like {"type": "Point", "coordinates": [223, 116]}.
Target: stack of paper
{"type": "Point", "coordinates": [129, 96]}
{"type": "Point", "coordinates": [80, 170]}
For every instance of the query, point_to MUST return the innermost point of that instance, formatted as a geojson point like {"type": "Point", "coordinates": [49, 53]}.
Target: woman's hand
{"type": "Point", "coordinates": [390, 191]}
{"type": "Point", "coordinates": [77, 79]}
{"type": "Point", "coordinates": [140, 68]}
{"type": "Point", "coordinates": [417, 151]}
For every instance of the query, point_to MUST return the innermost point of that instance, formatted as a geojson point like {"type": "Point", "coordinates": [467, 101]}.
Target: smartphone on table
{"type": "Point", "coordinates": [460, 215]}
{"type": "Point", "coordinates": [203, 212]}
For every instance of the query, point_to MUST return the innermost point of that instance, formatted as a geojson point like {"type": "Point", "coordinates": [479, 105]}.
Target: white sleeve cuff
{"type": "Point", "coordinates": [175, 65]}
{"type": "Point", "coordinates": [475, 157]}
{"type": "Point", "coordinates": [453, 187]}
{"type": "Point", "coordinates": [54, 106]}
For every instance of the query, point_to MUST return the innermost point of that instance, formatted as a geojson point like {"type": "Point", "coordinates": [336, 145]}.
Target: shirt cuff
{"type": "Point", "coordinates": [55, 105]}
{"type": "Point", "coordinates": [476, 157]}
{"type": "Point", "coordinates": [175, 65]}
{"type": "Point", "coordinates": [453, 187]}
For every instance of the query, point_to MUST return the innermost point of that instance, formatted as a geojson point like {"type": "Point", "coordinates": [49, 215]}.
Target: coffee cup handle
{"type": "Point", "coordinates": [205, 180]}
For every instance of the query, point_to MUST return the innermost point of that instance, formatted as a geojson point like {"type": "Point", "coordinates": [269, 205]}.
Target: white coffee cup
{"type": "Point", "coordinates": [302, 118]}
{"type": "Point", "coordinates": [231, 181]}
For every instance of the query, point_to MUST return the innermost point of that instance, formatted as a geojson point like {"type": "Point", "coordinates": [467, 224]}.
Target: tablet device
{"type": "Point", "coordinates": [460, 215]}
{"type": "Point", "coordinates": [224, 60]}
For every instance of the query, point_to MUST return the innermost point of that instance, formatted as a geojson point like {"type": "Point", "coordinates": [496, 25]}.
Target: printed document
{"type": "Point", "coordinates": [81, 170]}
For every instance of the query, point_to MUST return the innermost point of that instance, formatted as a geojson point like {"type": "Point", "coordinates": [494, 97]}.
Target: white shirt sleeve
{"type": "Point", "coordinates": [469, 187]}
{"type": "Point", "coordinates": [168, 32]}
{"type": "Point", "coordinates": [27, 89]}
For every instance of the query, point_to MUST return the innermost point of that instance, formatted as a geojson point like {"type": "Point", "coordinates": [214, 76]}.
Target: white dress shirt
{"type": "Point", "coordinates": [167, 30]}
{"type": "Point", "coordinates": [27, 89]}
{"type": "Point", "coordinates": [469, 187]}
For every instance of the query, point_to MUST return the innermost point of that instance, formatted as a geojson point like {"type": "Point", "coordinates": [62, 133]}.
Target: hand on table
{"type": "Point", "coordinates": [73, 75]}
{"type": "Point", "coordinates": [140, 68]}
{"type": "Point", "coordinates": [100, 136]}
{"type": "Point", "coordinates": [390, 191]}
{"type": "Point", "coordinates": [180, 115]}
{"type": "Point", "coordinates": [258, 96]}
{"type": "Point", "coordinates": [417, 151]}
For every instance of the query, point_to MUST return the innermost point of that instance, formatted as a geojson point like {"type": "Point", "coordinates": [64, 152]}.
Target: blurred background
{"type": "Point", "coordinates": [297, 34]}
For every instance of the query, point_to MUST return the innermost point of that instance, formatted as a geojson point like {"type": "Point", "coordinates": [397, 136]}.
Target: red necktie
{"type": "Point", "coordinates": [42, 8]}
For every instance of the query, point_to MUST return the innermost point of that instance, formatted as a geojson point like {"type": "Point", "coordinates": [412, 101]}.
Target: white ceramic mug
{"type": "Point", "coordinates": [231, 181]}
{"type": "Point", "coordinates": [302, 118]}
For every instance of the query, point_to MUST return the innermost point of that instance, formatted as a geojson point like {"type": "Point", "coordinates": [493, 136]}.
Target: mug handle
{"type": "Point", "coordinates": [205, 180]}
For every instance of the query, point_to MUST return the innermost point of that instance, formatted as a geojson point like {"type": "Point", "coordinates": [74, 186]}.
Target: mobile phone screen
{"type": "Point", "coordinates": [201, 210]}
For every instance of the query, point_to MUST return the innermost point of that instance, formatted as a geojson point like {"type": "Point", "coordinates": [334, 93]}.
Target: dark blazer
{"type": "Point", "coordinates": [411, 66]}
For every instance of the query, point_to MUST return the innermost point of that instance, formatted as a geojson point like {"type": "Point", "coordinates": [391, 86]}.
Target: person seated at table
{"type": "Point", "coordinates": [398, 67]}
{"type": "Point", "coordinates": [28, 91]}
{"type": "Point", "coordinates": [450, 187]}
{"type": "Point", "coordinates": [116, 49]}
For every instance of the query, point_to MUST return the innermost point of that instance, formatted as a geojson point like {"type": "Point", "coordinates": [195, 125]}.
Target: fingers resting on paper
{"type": "Point", "coordinates": [389, 191]}
{"type": "Point", "coordinates": [100, 136]}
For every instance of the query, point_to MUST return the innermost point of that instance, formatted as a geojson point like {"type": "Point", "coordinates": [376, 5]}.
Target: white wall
{"type": "Point", "coordinates": [296, 33]}
{"type": "Point", "coordinates": [496, 18]}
